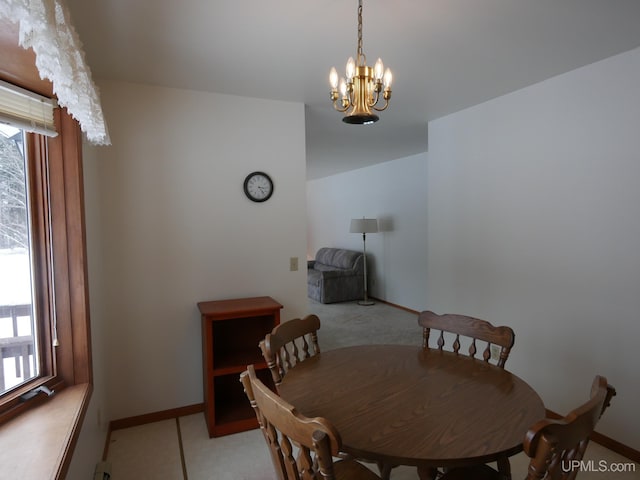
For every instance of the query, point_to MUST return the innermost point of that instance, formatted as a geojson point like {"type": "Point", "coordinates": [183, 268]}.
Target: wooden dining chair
{"type": "Point", "coordinates": [473, 328]}
{"type": "Point", "coordinates": [553, 445]}
{"type": "Point", "coordinates": [290, 343]}
{"type": "Point", "coordinates": [301, 448]}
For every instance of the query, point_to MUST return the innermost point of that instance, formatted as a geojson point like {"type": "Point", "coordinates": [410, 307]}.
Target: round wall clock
{"type": "Point", "coordinates": [258, 186]}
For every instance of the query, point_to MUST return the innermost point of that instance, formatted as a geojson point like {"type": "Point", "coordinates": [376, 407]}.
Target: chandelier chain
{"type": "Point", "coordinates": [362, 59]}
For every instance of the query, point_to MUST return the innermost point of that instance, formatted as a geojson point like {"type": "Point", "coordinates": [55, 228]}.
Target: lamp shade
{"type": "Point", "coordinates": [364, 225]}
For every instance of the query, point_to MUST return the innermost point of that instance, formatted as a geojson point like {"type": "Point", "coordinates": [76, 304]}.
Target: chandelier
{"type": "Point", "coordinates": [361, 90]}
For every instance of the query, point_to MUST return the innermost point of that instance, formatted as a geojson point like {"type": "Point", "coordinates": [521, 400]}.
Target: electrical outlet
{"type": "Point", "coordinates": [293, 264]}
{"type": "Point", "coordinates": [495, 352]}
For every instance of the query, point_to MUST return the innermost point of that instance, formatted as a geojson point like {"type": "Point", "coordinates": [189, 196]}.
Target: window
{"type": "Point", "coordinates": [50, 344]}
{"type": "Point", "coordinates": [19, 346]}
{"type": "Point", "coordinates": [27, 319]}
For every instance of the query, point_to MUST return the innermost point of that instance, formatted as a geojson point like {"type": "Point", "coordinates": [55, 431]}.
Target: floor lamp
{"type": "Point", "coordinates": [364, 226]}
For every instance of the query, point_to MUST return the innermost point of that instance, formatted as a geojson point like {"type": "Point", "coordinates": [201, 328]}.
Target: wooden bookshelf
{"type": "Point", "coordinates": [231, 331]}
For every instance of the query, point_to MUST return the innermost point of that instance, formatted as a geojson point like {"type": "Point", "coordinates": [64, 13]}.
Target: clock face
{"type": "Point", "coordinates": [258, 186]}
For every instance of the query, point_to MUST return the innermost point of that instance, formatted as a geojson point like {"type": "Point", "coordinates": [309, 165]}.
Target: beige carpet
{"type": "Point", "coordinates": [347, 323]}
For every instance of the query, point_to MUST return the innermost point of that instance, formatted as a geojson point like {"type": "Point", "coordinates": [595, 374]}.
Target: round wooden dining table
{"type": "Point", "coordinates": [405, 405]}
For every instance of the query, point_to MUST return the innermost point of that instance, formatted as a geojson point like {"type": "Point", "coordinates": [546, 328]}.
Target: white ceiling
{"type": "Point", "coordinates": [446, 55]}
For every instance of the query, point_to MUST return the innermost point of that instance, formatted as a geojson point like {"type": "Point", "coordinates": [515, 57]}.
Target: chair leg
{"type": "Point", "coordinates": [504, 468]}
{"type": "Point", "coordinates": [427, 473]}
{"type": "Point", "coordinates": [385, 470]}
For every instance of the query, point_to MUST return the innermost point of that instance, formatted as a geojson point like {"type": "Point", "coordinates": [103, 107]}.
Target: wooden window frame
{"type": "Point", "coordinates": [58, 418]}
{"type": "Point", "coordinates": [58, 229]}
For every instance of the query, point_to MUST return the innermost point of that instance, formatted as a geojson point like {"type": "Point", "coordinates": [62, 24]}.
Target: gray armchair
{"type": "Point", "coordinates": [336, 275]}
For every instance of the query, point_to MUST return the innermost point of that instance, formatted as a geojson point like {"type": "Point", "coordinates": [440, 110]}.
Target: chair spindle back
{"type": "Point", "coordinates": [283, 427]}
{"type": "Point", "coordinates": [290, 343]}
{"type": "Point", "coordinates": [473, 328]}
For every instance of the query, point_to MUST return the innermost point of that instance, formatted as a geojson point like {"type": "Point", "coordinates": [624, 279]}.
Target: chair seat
{"type": "Point", "coordinates": [480, 472]}
{"type": "Point", "coordinates": [352, 470]}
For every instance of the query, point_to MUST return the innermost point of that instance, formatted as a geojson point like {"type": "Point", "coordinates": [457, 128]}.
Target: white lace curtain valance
{"type": "Point", "coordinates": [45, 26]}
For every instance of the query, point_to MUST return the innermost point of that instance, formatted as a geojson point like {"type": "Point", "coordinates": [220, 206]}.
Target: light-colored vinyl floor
{"type": "Point", "coordinates": [181, 449]}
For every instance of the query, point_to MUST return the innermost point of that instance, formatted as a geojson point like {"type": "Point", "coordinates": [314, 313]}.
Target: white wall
{"type": "Point", "coordinates": [393, 192]}
{"type": "Point", "coordinates": [176, 228]}
{"type": "Point", "coordinates": [91, 442]}
{"type": "Point", "coordinates": [534, 222]}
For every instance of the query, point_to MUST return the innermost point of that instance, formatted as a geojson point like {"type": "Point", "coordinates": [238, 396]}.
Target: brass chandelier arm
{"type": "Point", "coordinates": [344, 108]}
{"type": "Point", "coordinates": [374, 95]}
{"type": "Point", "coordinates": [346, 101]}
{"type": "Point", "coordinates": [379, 109]}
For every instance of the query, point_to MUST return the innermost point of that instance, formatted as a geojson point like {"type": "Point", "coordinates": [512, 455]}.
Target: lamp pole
{"type": "Point", "coordinates": [366, 300]}
{"type": "Point", "coordinates": [364, 226]}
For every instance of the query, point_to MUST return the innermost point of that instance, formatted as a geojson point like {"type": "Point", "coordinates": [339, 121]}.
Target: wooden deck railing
{"type": "Point", "coordinates": [16, 347]}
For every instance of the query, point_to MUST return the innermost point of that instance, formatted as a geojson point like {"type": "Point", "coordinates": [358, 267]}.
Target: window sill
{"type": "Point", "coordinates": [39, 443]}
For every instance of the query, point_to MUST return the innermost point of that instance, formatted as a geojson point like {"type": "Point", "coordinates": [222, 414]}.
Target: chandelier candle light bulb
{"type": "Point", "coordinates": [361, 91]}
{"type": "Point", "coordinates": [378, 69]}
{"type": "Point", "coordinates": [351, 69]}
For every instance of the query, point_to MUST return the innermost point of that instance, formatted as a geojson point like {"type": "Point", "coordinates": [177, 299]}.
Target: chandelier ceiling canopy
{"type": "Point", "coordinates": [364, 89]}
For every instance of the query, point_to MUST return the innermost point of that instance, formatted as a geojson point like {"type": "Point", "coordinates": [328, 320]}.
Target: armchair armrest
{"type": "Point", "coordinates": [338, 273]}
